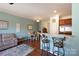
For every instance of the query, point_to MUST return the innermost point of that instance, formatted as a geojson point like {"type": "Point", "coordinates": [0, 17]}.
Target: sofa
{"type": "Point", "coordinates": [7, 40]}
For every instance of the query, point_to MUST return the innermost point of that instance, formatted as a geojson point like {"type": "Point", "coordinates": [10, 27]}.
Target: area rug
{"type": "Point", "coordinates": [20, 50]}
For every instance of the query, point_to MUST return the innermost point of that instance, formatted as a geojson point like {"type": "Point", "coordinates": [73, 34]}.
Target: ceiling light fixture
{"type": "Point", "coordinates": [11, 3]}
{"type": "Point", "coordinates": [37, 20]}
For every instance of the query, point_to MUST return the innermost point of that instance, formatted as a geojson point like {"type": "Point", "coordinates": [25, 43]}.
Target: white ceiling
{"type": "Point", "coordinates": [33, 10]}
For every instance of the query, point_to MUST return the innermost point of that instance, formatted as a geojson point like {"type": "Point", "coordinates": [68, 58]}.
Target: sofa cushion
{"type": "Point", "coordinates": [6, 42]}
{"type": "Point", "coordinates": [0, 39]}
{"type": "Point", "coordinates": [6, 36]}
{"type": "Point", "coordinates": [0, 43]}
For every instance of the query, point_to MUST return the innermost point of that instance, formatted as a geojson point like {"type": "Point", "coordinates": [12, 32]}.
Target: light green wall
{"type": "Point", "coordinates": [44, 23]}
{"type": "Point", "coordinates": [75, 24]}
{"type": "Point", "coordinates": [12, 20]}
{"type": "Point", "coordinates": [73, 42]}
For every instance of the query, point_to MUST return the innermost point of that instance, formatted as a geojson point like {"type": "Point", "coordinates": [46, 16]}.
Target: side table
{"type": "Point", "coordinates": [21, 41]}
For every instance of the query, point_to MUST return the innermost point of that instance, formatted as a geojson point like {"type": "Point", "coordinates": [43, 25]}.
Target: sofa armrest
{"type": "Point", "coordinates": [15, 40]}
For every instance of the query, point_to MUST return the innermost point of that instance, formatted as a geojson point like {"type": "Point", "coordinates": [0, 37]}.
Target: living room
{"type": "Point", "coordinates": [22, 24]}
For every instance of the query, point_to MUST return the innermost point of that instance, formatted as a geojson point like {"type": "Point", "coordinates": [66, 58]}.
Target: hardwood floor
{"type": "Point", "coordinates": [37, 51]}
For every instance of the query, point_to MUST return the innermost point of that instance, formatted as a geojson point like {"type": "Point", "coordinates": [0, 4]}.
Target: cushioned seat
{"type": "Point", "coordinates": [45, 44]}
{"type": "Point", "coordinates": [45, 41]}
{"type": "Point", "coordinates": [58, 43]}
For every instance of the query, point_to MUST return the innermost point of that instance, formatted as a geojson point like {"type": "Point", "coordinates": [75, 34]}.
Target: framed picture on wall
{"type": "Point", "coordinates": [29, 27]}
{"type": "Point", "coordinates": [3, 24]}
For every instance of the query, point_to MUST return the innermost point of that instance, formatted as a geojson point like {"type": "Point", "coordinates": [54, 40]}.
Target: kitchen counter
{"type": "Point", "coordinates": [58, 35]}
